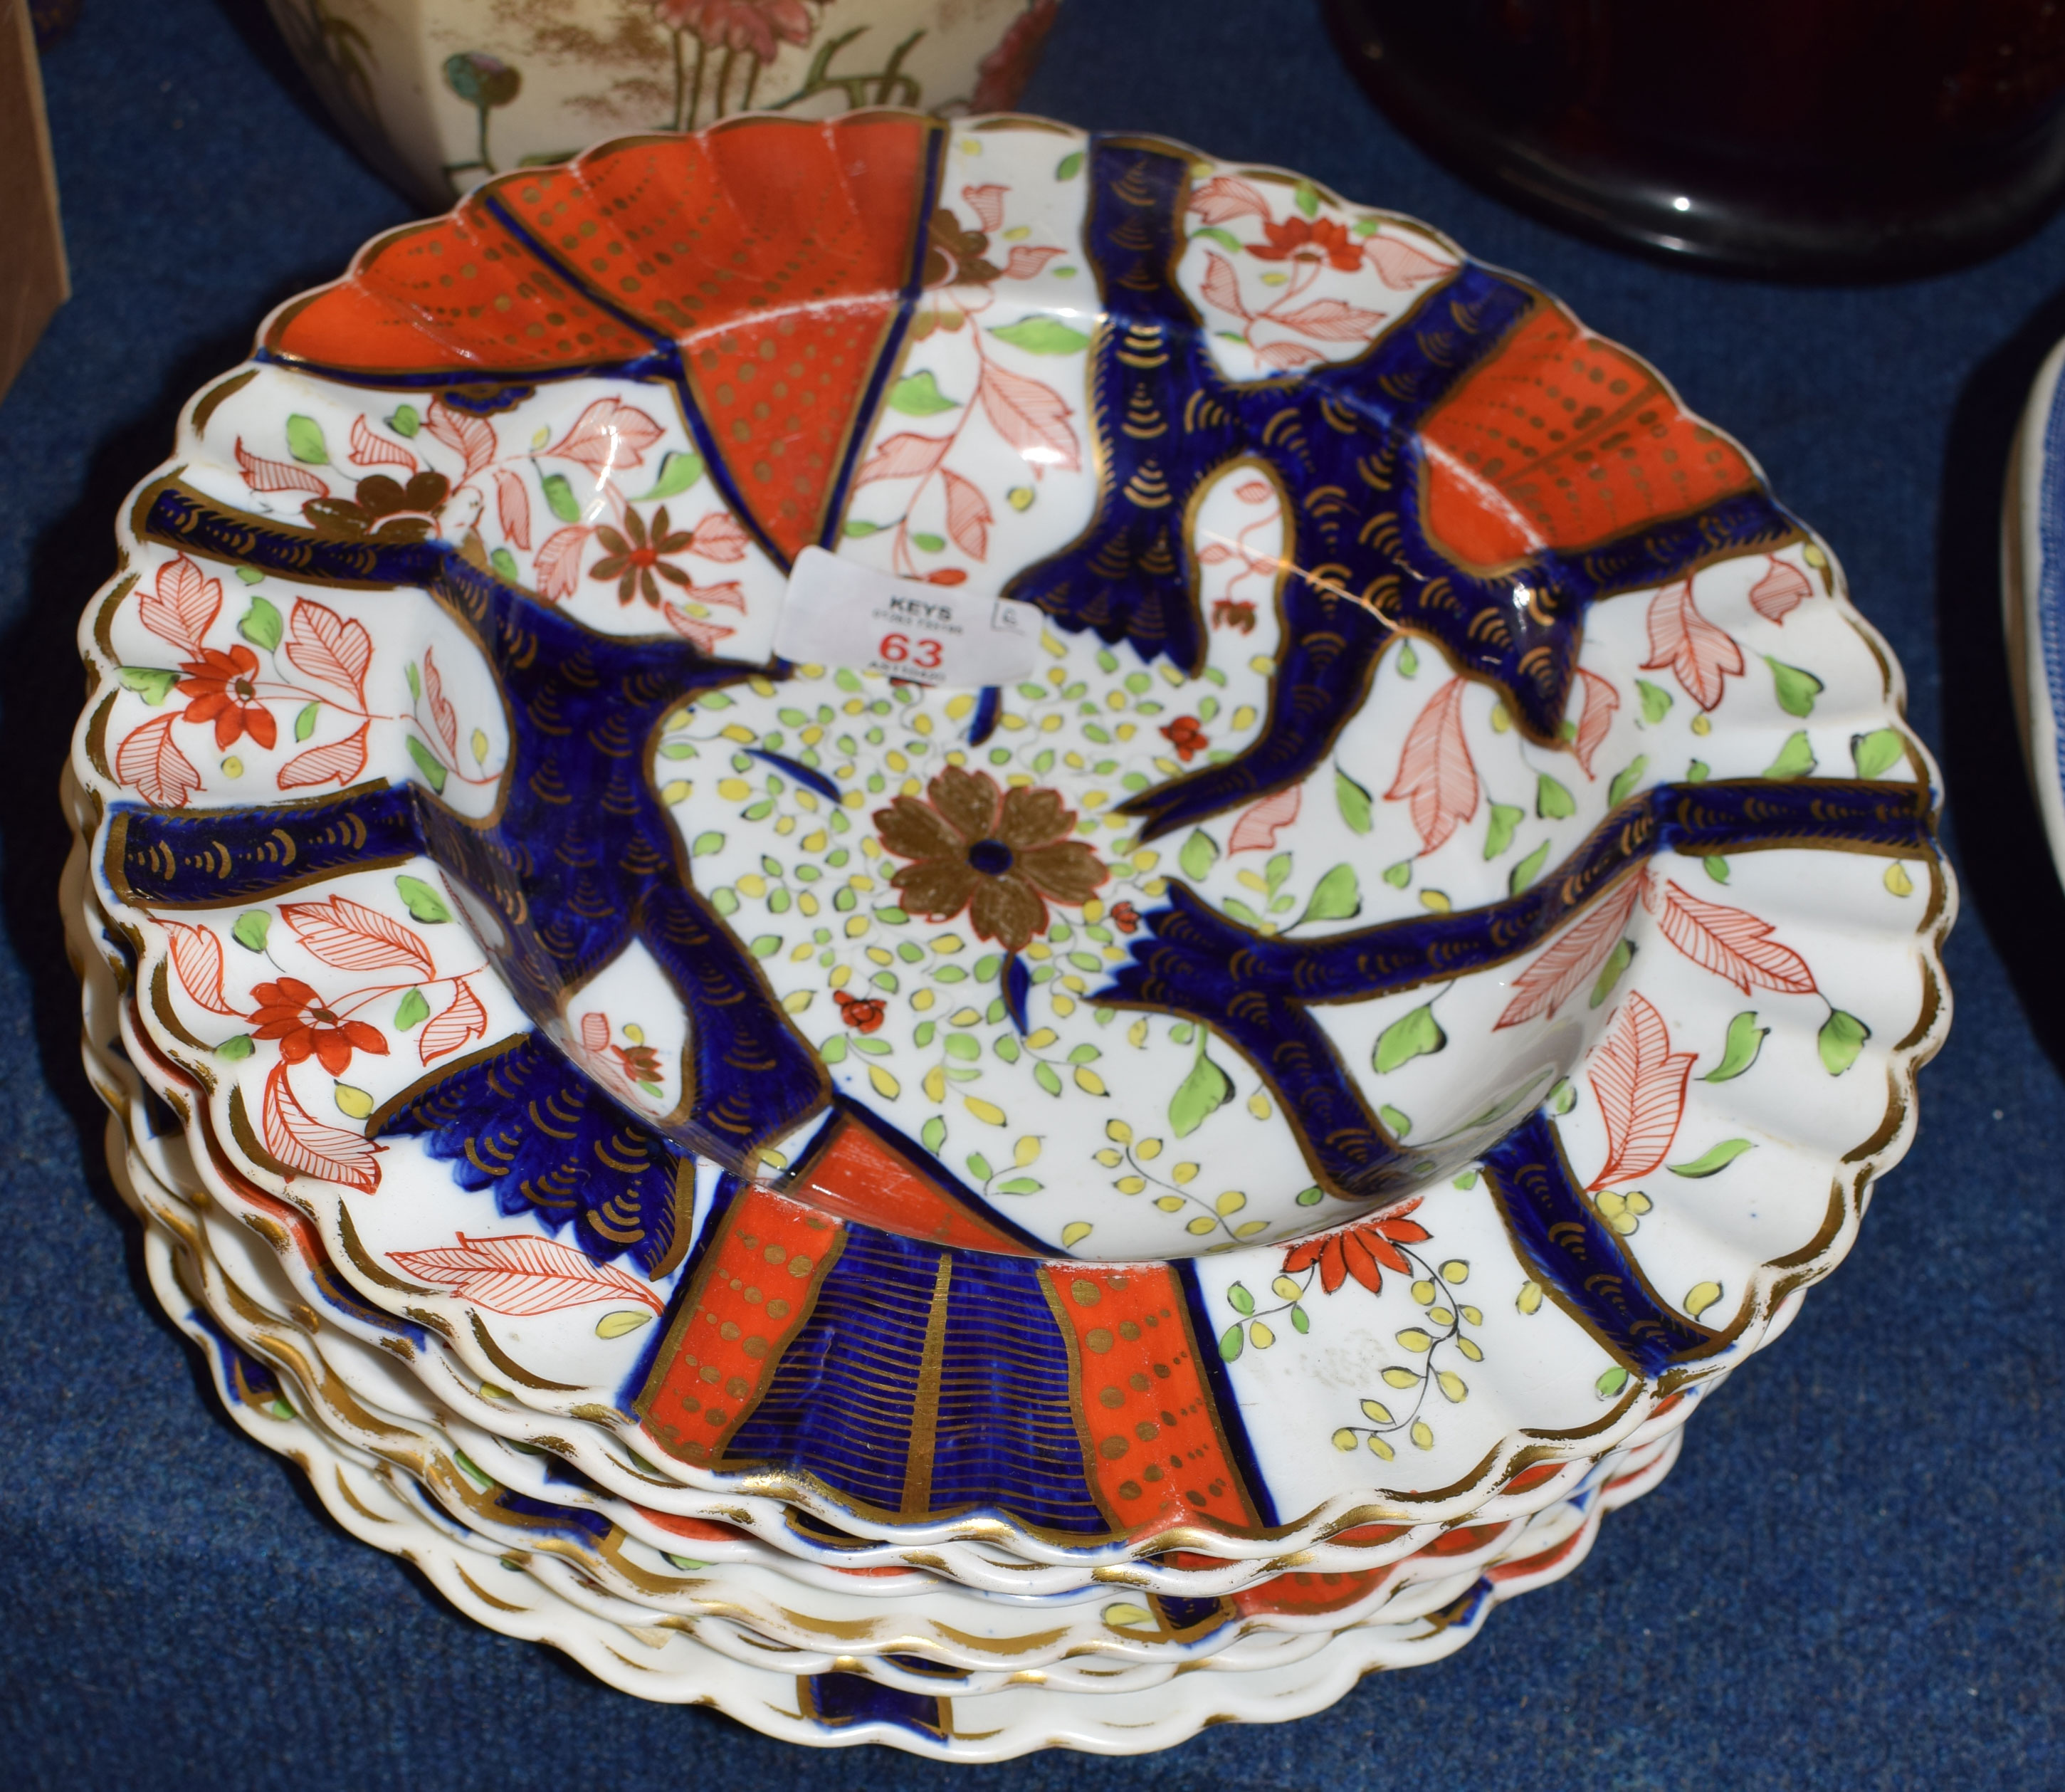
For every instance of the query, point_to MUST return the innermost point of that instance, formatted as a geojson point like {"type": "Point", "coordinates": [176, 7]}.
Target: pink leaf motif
{"type": "Point", "coordinates": [523, 1276]}
{"type": "Point", "coordinates": [353, 938]}
{"type": "Point", "coordinates": [337, 763]}
{"type": "Point", "coordinates": [512, 504]}
{"type": "Point", "coordinates": [968, 516]}
{"type": "Point", "coordinates": [326, 646]}
{"type": "Point", "coordinates": [609, 437]}
{"type": "Point", "coordinates": [1284, 356]}
{"type": "Point", "coordinates": [730, 595]}
{"type": "Point", "coordinates": [1681, 639]}
{"type": "Point", "coordinates": [369, 450]}
{"type": "Point", "coordinates": [305, 1144]}
{"type": "Point", "coordinates": [261, 475]}
{"type": "Point", "coordinates": [1729, 942]}
{"type": "Point", "coordinates": [197, 958]}
{"type": "Point", "coordinates": [182, 607]}
{"type": "Point", "coordinates": [720, 537]}
{"type": "Point", "coordinates": [1400, 265]}
{"type": "Point", "coordinates": [471, 437]}
{"type": "Point", "coordinates": [1031, 417]}
{"type": "Point", "coordinates": [594, 1034]}
{"type": "Point", "coordinates": [1329, 320]}
{"type": "Point", "coordinates": [158, 772]}
{"type": "Point", "coordinates": [1222, 198]}
{"type": "Point", "coordinates": [1436, 774]}
{"type": "Point", "coordinates": [903, 457]}
{"type": "Point", "coordinates": [1572, 958]}
{"type": "Point", "coordinates": [1253, 492]}
{"type": "Point", "coordinates": [1779, 591]}
{"type": "Point", "coordinates": [1639, 1083]}
{"type": "Point", "coordinates": [442, 712]}
{"type": "Point", "coordinates": [463, 1020]}
{"type": "Point", "coordinates": [1222, 285]}
{"type": "Point", "coordinates": [1256, 828]}
{"type": "Point", "coordinates": [1595, 718]}
{"type": "Point", "coordinates": [558, 562]}
{"type": "Point", "coordinates": [703, 634]}
{"type": "Point", "coordinates": [1025, 260]}
{"type": "Point", "coordinates": [987, 203]}
{"type": "Point", "coordinates": [1213, 553]}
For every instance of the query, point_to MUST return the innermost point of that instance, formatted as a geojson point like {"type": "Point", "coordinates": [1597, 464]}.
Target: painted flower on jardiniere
{"type": "Point", "coordinates": [292, 1013]}
{"type": "Point", "coordinates": [755, 27]}
{"type": "Point", "coordinates": [222, 688]}
{"type": "Point", "coordinates": [1001, 75]}
{"type": "Point", "coordinates": [1002, 855]}
{"type": "Point", "coordinates": [1363, 1251]}
{"type": "Point", "coordinates": [634, 555]}
{"type": "Point", "coordinates": [384, 507]}
{"type": "Point", "coordinates": [1309, 240]}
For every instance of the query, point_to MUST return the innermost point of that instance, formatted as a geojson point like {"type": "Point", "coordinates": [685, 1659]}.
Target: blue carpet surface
{"type": "Point", "coordinates": [1852, 1580]}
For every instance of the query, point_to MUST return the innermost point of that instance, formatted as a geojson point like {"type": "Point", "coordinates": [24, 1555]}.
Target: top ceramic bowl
{"type": "Point", "coordinates": [1432, 949]}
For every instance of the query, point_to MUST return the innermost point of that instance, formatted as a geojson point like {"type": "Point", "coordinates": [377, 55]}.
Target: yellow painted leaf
{"type": "Point", "coordinates": [886, 1086]}
{"type": "Point", "coordinates": [1530, 1297]}
{"type": "Point", "coordinates": [1124, 1615]}
{"type": "Point", "coordinates": [1119, 1132]}
{"type": "Point", "coordinates": [1897, 879]}
{"type": "Point", "coordinates": [1025, 1152]}
{"type": "Point", "coordinates": [1454, 1270]}
{"type": "Point", "coordinates": [353, 1102]}
{"type": "Point", "coordinates": [1232, 1202]}
{"type": "Point", "coordinates": [1075, 1233]}
{"type": "Point", "coordinates": [987, 1112]}
{"type": "Point", "coordinates": [935, 1083]}
{"type": "Point", "coordinates": [1285, 1289]}
{"type": "Point", "coordinates": [618, 1325]}
{"type": "Point", "coordinates": [1451, 1384]}
{"type": "Point", "coordinates": [1703, 1295]}
{"type": "Point", "coordinates": [1422, 1434]}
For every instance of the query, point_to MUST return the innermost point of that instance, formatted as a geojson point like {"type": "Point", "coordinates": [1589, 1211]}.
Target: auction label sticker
{"type": "Point", "coordinates": [839, 613]}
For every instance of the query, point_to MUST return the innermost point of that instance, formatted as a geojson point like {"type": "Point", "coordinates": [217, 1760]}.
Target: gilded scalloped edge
{"type": "Point", "coordinates": [1769, 1286]}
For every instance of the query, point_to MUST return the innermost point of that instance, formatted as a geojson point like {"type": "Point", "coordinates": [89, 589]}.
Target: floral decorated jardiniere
{"type": "Point", "coordinates": [442, 95]}
{"type": "Point", "coordinates": [1397, 996]}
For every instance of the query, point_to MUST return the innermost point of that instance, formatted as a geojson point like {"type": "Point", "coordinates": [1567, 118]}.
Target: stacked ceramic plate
{"type": "Point", "coordinates": [978, 938]}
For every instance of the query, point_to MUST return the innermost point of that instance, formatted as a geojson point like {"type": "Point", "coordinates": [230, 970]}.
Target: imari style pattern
{"type": "Point", "coordinates": [1432, 958]}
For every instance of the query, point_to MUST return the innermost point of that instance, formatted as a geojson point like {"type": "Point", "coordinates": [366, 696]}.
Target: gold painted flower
{"type": "Point", "coordinates": [1002, 855]}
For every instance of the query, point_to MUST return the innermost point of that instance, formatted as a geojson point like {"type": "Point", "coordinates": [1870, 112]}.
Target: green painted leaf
{"type": "Point", "coordinates": [1018, 1185]}
{"type": "Point", "coordinates": [1624, 784]}
{"type": "Point", "coordinates": [1226, 238]}
{"type": "Point", "coordinates": [703, 844]}
{"type": "Point", "coordinates": [1698, 772]}
{"type": "Point", "coordinates": [1414, 1035]}
{"type": "Point", "coordinates": [1745, 1040]}
{"type": "Point", "coordinates": [1307, 199]}
{"type": "Point", "coordinates": [1352, 798]}
{"type": "Point", "coordinates": [505, 565]}
{"type": "Point", "coordinates": [933, 1134]}
{"type": "Point", "coordinates": [404, 420]}
{"type": "Point", "coordinates": [1202, 1093]}
{"type": "Point", "coordinates": [1338, 897]}
{"type": "Point", "coordinates": [1709, 1162]}
{"type": "Point", "coordinates": [261, 625]}
{"type": "Point", "coordinates": [1552, 801]}
{"type": "Point", "coordinates": [1655, 701]}
{"type": "Point", "coordinates": [833, 1050]}
{"type": "Point", "coordinates": [929, 543]}
{"type": "Point", "coordinates": [1408, 661]}
{"type": "Point", "coordinates": [1611, 1383]}
{"type": "Point", "coordinates": [766, 945]}
{"type": "Point", "coordinates": [960, 1045]}
{"type": "Point", "coordinates": [149, 683]}
{"type": "Point", "coordinates": [856, 528]}
{"type": "Point", "coordinates": [1084, 1053]}
{"type": "Point", "coordinates": [1395, 1122]}
{"type": "Point", "coordinates": [1717, 867]}
{"type": "Point", "coordinates": [304, 722]}
{"type": "Point", "coordinates": [421, 900]}
{"type": "Point", "coordinates": [414, 1009]}
{"type": "Point", "coordinates": [1562, 1099]}
{"type": "Point", "coordinates": [426, 763]}
{"type": "Point", "coordinates": [1527, 870]}
{"type": "Point", "coordinates": [559, 495]}
{"type": "Point", "coordinates": [681, 468]}
{"type": "Point", "coordinates": [1310, 1197]}
{"type": "Point", "coordinates": [250, 575]}
{"type": "Point", "coordinates": [1048, 1078]}
{"type": "Point", "coordinates": [1797, 688]}
{"type": "Point", "coordinates": [1278, 868]}
{"type": "Point", "coordinates": [1230, 1341]}
{"type": "Point", "coordinates": [1200, 853]}
{"type": "Point", "coordinates": [1610, 972]}
{"type": "Point", "coordinates": [305, 441]}
{"type": "Point", "coordinates": [1795, 759]}
{"type": "Point", "coordinates": [415, 680]}
{"type": "Point", "coordinates": [1042, 335]}
{"type": "Point", "coordinates": [1242, 1301]}
{"type": "Point", "coordinates": [1842, 1038]}
{"type": "Point", "coordinates": [1301, 1321]}
{"type": "Point", "coordinates": [1498, 836]}
{"type": "Point", "coordinates": [918, 395]}
{"type": "Point", "coordinates": [1069, 166]}
{"type": "Point", "coordinates": [249, 932]}
{"type": "Point", "coordinates": [1878, 753]}
{"type": "Point", "coordinates": [230, 1050]}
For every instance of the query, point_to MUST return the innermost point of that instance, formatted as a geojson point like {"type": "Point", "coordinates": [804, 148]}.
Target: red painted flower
{"type": "Point", "coordinates": [1003, 855]}
{"type": "Point", "coordinates": [1363, 1251]}
{"type": "Point", "coordinates": [862, 1015]}
{"type": "Point", "coordinates": [1301, 240]}
{"type": "Point", "coordinates": [632, 557]}
{"type": "Point", "coordinates": [753, 25]}
{"type": "Point", "coordinates": [1232, 612]}
{"type": "Point", "coordinates": [641, 1063]}
{"type": "Point", "coordinates": [954, 256]}
{"type": "Point", "coordinates": [1125, 918]}
{"type": "Point", "coordinates": [1186, 737]}
{"type": "Point", "coordinates": [291, 1013]}
{"type": "Point", "coordinates": [1001, 75]}
{"type": "Point", "coordinates": [224, 689]}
